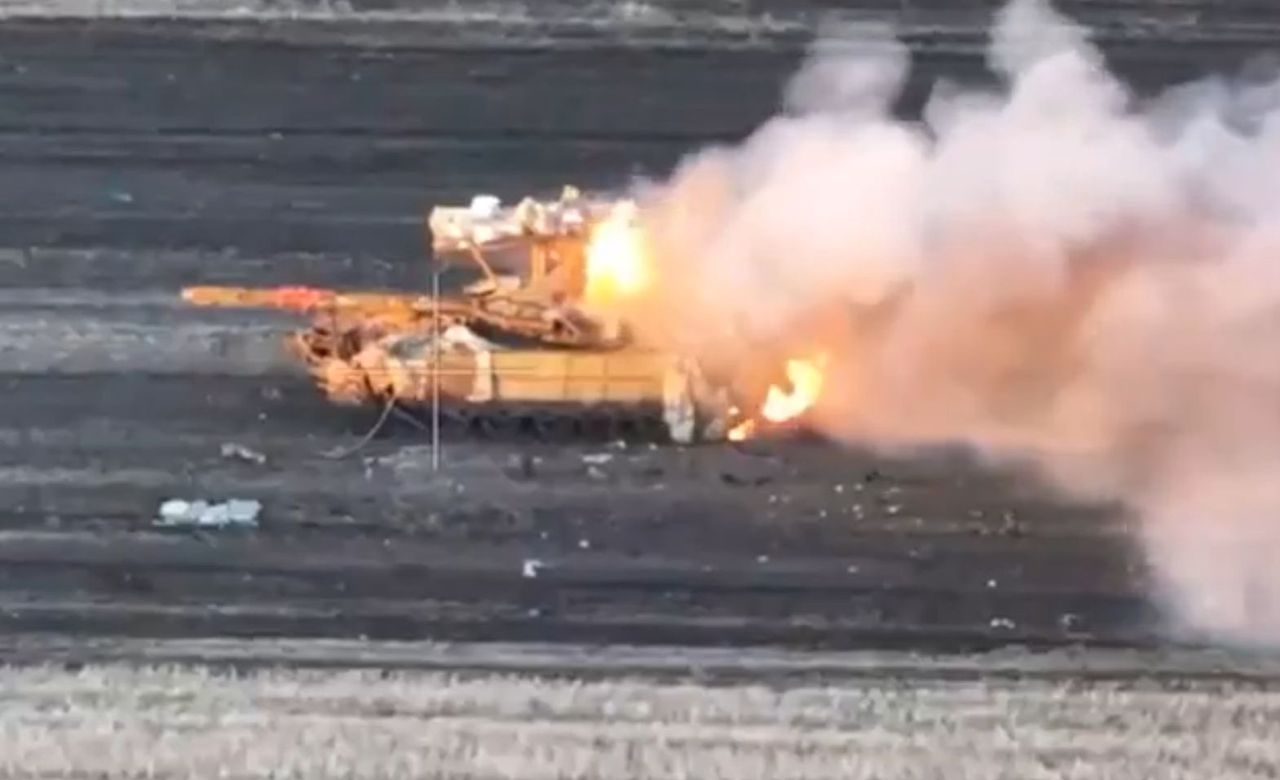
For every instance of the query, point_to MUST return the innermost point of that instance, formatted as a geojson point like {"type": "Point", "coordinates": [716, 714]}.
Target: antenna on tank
{"type": "Point", "coordinates": [435, 367]}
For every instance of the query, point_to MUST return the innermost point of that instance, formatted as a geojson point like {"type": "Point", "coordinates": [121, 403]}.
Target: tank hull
{"type": "Point", "coordinates": [553, 393]}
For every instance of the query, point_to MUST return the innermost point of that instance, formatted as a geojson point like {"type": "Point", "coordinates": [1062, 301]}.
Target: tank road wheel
{"type": "Point", "coordinates": [597, 426]}
{"type": "Point", "coordinates": [654, 430]}
{"type": "Point", "coordinates": [496, 426]}
{"type": "Point", "coordinates": [632, 427]}
{"type": "Point", "coordinates": [557, 428]}
{"type": "Point", "coordinates": [418, 419]}
{"type": "Point", "coordinates": [453, 422]}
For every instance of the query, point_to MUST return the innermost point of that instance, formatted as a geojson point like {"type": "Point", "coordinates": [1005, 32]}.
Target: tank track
{"type": "Point", "coordinates": [541, 424]}
{"type": "Point", "coordinates": [498, 421]}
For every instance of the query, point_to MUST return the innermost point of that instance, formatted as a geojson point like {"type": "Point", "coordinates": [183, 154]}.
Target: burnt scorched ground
{"type": "Point", "coordinates": [140, 157]}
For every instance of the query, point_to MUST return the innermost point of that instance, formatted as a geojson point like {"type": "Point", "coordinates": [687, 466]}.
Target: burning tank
{"type": "Point", "coordinates": [507, 353]}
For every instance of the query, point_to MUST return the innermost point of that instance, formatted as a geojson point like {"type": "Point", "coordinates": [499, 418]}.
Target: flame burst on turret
{"type": "Point", "coordinates": [617, 263]}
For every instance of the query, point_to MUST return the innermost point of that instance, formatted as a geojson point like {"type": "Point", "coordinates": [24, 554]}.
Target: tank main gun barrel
{"type": "Point", "coordinates": [307, 300]}
{"type": "Point", "coordinates": [291, 298]}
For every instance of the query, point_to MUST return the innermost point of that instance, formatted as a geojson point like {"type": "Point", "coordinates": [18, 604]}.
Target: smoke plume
{"type": "Point", "coordinates": [1052, 270]}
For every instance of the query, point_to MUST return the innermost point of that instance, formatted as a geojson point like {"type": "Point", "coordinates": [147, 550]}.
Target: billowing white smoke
{"type": "Point", "coordinates": [1050, 271]}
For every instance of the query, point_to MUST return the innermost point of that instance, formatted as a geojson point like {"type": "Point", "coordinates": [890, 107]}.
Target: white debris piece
{"type": "Point", "coordinates": [237, 513]}
{"type": "Point", "coordinates": [240, 452]}
{"type": "Point", "coordinates": [531, 567]}
{"type": "Point", "coordinates": [485, 206]}
{"type": "Point", "coordinates": [597, 459]}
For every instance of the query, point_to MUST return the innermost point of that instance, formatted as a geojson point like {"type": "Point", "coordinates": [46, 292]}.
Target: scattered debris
{"type": "Point", "coordinates": [522, 466]}
{"type": "Point", "coordinates": [731, 478]}
{"type": "Point", "coordinates": [597, 458]}
{"type": "Point", "coordinates": [237, 512]}
{"type": "Point", "coordinates": [596, 473]}
{"type": "Point", "coordinates": [992, 583]}
{"type": "Point", "coordinates": [240, 452]}
{"type": "Point", "coordinates": [584, 544]}
{"type": "Point", "coordinates": [893, 509]}
{"type": "Point", "coordinates": [530, 568]}
{"type": "Point", "coordinates": [650, 472]}
{"type": "Point", "coordinates": [1002, 623]}
{"type": "Point", "coordinates": [762, 559]}
{"type": "Point", "coordinates": [747, 469]}
{"type": "Point", "coordinates": [1070, 621]}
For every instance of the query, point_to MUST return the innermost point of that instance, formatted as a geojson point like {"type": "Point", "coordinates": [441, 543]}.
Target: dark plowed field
{"type": "Point", "coordinates": [137, 157]}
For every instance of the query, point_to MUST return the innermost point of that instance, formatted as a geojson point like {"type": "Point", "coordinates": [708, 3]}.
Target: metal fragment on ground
{"type": "Point", "coordinates": [235, 451]}
{"type": "Point", "coordinates": [235, 513]}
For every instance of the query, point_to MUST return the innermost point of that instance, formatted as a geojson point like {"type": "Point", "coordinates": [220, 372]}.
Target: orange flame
{"type": "Point", "coordinates": [617, 266]}
{"type": "Point", "coordinates": [806, 384]}
{"type": "Point", "coordinates": [742, 431]}
{"type": "Point", "coordinates": [806, 378]}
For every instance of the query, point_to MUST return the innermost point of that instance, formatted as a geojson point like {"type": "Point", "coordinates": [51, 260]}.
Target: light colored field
{"type": "Point", "coordinates": [174, 722]}
{"type": "Point", "coordinates": [721, 15]}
